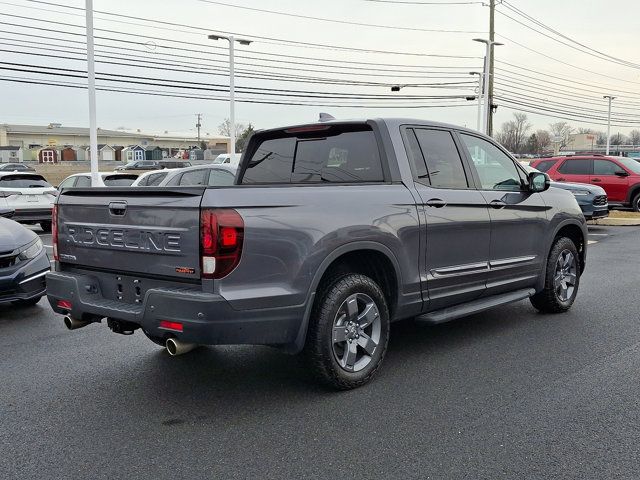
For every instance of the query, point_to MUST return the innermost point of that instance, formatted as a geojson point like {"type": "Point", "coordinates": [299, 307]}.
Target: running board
{"type": "Point", "coordinates": [475, 306]}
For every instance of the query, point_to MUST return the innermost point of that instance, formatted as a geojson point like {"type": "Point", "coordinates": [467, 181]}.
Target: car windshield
{"type": "Point", "coordinates": [23, 181]}
{"type": "Point", "coordinates": [219, 160]}
{"type": "Point", "coordinates": [629, 164]}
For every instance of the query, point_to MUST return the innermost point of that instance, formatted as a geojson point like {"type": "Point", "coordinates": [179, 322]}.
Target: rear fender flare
{"type": "Point", "coordinates": [299, 343]}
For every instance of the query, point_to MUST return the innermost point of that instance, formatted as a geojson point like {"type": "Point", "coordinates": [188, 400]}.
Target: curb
{"type": "Point", "coordinates": [616, 222]}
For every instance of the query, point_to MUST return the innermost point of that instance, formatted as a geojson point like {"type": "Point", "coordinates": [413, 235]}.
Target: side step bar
{"type": "Point", "coordinates": [451, 313]}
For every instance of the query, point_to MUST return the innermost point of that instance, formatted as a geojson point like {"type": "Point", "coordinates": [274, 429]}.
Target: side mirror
{"type": "Point", "coordinates": [622, 173]}
{"type": "Point", "coordinates": [539, 182]}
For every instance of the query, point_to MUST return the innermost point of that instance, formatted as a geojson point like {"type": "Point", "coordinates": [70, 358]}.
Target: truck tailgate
{"type": "Point", "coordinates": [145, 231]}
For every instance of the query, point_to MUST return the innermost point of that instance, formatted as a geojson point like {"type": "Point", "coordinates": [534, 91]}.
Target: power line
{"type": "Point", "coordinates": [332, 20]}
{"type": "Point", "coordinates": [563, 62]}
{"type": "Point", "coordinates": [562, 35]}
{"type": "Point", "coordinates": [213, 87]}
{"type": "Point", "coordinates": [259, 38]}
{"type": "Point", "coordinates": [277, 63]}
{"type": "Point", "coordinates": [242, 100]}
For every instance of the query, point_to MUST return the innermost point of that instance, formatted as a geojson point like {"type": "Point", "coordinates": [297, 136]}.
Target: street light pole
{"type": "Point", "coordinates": [479, 117]}
{"type": "Point", "coordinates": [485, 82]}
{"type": "Point", "coordinates": [232, 88]}
{"type": "Point", "coordinates": [96, 181]}
{"type": "Point", "coordinates": [610, 98]}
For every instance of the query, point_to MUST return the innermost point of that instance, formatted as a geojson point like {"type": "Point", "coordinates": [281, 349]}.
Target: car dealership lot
{"type": "Point", "coordinates": [504, 394]}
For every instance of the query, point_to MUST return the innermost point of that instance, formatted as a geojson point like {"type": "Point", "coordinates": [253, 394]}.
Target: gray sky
{"type": "Point", "coordinates": [609, 27]}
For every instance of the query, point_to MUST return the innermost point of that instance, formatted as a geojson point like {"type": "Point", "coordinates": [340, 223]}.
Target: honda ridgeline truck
{"type": "Point", "coordinates": [332, 231]}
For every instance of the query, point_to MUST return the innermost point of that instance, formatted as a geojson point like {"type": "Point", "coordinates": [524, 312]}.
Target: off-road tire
{"type": "Point", "coordinates": [319, 345]}
{"type": "Point", "coordinates": [547, 300]}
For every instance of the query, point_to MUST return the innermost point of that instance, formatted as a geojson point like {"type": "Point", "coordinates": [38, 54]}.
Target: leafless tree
{"type": "Point", "coordinates": [225, 128]}
{"type": "Point", "coordinates": [561, 131]}
{"type": "Point", "coordinates": [544, 140]}
{"type": "Point", "coordinates": [587, 131]}
{"type": "Point", "coordinates": [634, 137]}
{"type": "Point", "coordinates": [514, 133]}
{"type": "Point", "coordinates": [619, 139]}
{"type": "Point", "coordinates": [601, 138]}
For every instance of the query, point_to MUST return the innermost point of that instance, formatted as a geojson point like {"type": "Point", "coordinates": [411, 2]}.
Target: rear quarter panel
{"type": "Point", "coordinates": [291, 230]}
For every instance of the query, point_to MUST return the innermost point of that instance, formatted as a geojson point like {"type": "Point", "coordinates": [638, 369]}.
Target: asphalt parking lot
{"type": "Point", "coordinates": [509, 393]}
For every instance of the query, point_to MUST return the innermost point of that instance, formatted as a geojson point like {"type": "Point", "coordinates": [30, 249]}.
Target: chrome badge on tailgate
{"type": "Point", "coordinates": [121, 237]}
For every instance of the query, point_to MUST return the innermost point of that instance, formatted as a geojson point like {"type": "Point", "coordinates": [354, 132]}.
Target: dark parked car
{"type": "Point", "coordinates": [618, 176]}
{"type": "Point", "coordinates": [23, 263]}
{"type": "Point", "coordinates": [331, 232]}
{"type": "Point", "coordinates": [591, 198]}
{"type": "Point", "coordinates": [15, 167]}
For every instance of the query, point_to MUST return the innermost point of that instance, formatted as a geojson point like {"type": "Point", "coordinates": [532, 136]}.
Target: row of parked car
{"type": "Point", "coordinates": [27, 198]}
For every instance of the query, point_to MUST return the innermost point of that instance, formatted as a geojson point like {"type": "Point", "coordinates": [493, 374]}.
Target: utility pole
{"type": "Point", "coordinates": [492, 37]}
{"type": "Point", "coordinates": [610, 98]}
{"type": "Point", "coordinates": [198, 125]}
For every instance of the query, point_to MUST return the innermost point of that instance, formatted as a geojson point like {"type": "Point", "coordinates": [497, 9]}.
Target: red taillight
{"type": "Point", "coordinates": [174, 326]}
{"type": "Point", "coordinates": [64, 304]}
{"type": "Point", "coordinates": [54, 231]}
{"type": "Point", "coordinates": [221, 238]}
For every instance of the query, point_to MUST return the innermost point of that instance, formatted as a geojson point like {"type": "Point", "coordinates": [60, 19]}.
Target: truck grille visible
{"type": "Point", "coordinates": [600, 200]}
{"type": "Point", "coordinates": [7, 259]}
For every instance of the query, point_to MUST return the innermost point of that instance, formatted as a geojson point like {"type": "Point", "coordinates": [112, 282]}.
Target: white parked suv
{"type": "Point", "coordinates": [110, 179]}
{"type": "Point", "coordinates": [30, 195]}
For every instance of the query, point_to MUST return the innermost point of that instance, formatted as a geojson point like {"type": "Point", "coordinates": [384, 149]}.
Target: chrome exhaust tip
{"type": "Point", "coordinates": [73, 323]}
{"type": "Point", "coordinates": [176, 347]}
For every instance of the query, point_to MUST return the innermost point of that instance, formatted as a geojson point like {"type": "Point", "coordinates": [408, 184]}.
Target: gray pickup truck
{"type": "Point", "coordinates": [332, 231]}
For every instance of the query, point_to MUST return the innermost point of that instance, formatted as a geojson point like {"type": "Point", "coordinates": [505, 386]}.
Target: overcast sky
{"type": "Point", "coordinates": [609, 27]}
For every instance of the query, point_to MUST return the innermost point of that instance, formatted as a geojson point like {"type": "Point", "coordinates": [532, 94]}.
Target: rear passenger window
{"type": "Point", "coordinates": [219, 177]}
{"type": "Point", "coordinates": [194, 177]}
{"type": "Point", "coordinates": [83, 182]}
{"type": "Point", "coordinates": [545, 165]}
{"type": "Point", "coordinates": [576, 167]}
{"type": "Point", "coordinates": [332, 154]}
{"type": "Point", "coordinates": [441, 158]}
{"type": "Point", "coordinates": [155, 179]}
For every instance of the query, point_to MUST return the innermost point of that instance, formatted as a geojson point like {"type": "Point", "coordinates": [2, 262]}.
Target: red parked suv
{"type": "Point", "coordinates": [619, 176]}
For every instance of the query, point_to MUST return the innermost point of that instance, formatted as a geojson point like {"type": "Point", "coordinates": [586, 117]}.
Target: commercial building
{"type": "Point", "coordinates": [53, 142]}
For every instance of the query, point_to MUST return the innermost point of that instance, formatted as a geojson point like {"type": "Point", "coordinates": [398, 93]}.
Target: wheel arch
{"type": "Point", "coordinates": [362, 256]}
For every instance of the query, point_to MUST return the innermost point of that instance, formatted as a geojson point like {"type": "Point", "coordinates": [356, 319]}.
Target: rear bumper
{"type": "Point", "coordinates": [207, 319]}
{"type": "Point", "coordinates": [27, 282]}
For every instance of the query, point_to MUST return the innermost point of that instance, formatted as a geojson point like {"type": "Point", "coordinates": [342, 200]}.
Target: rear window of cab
{"type": "Point", "coordinates": [315, 154]}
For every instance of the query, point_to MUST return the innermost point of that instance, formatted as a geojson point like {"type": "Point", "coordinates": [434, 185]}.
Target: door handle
{"type": "Point", "coordinates": [561, 179]}
{"type": "Point", "coordinates": [435, 202]}
{"type": "Point", "coordinates": [497, 204]}
{"type": "Point", "coordinates": [596, 180]}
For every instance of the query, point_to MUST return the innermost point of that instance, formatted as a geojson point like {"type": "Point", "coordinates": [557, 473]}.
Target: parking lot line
{"type": "Point", "coordinates": [591, 242]}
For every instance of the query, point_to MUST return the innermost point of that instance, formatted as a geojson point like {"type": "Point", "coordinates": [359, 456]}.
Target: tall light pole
{"type": "Point", "coordinates": [610, 98]}
{"type": "Point", "coordinates": [232, 108]}
{"type": "Point", "coordinates": [479, 119]}
{"type": "Point", "coordinates": [96, 181]}
{"type": "Point", "coordinates": [485, 82]}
